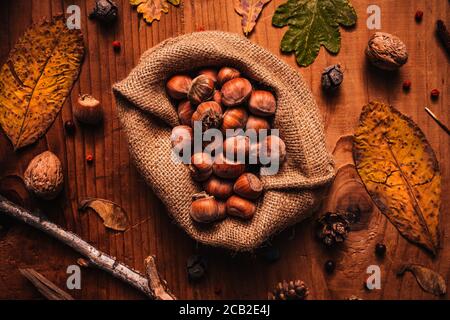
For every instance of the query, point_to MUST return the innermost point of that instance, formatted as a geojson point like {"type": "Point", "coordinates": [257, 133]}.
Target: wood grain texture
{"type": "Point", "coordinates": [113, 176]}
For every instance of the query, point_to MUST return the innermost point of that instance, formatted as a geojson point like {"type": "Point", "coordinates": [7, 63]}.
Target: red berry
{"type": "Point", "coordinates": [406, 85]}
{"type": "Point", "coordinates": [419, 15]}
{"type": "Point", "coordinates": [89, 158]}
{"type": "Point", "coordinates": [434, 93]}
{"type": "Point", "coordinates": [116, 45]}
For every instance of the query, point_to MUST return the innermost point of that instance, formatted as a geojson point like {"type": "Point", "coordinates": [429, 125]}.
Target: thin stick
{"type": "Point", "coordinates": [96, 257]}
{"type": "Point", "coordinates": [437, 120]}
{"type": "Point", "coordinates": [158, 285]}
{"type": "Point", "coordinates": [47, 288]}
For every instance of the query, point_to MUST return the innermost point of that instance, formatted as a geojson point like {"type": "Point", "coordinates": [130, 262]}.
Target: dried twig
{"type": "Point", "coordinates": [47, 288]}
{"type": "Point", "coordinates": [96, 257]}
{"type": "Point", "coordinates": [432, 115]}
{"type": "Point", "coordinates": [158, 285]}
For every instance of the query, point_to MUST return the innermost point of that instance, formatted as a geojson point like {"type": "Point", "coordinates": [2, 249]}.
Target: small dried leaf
{"type": "Point", "coordinates": [400, 172]}
{"type": "Point", "coordinates": [250, 11]}
{"type": "Point", "coordinates": [113, 216]}
{"type": "Point", "coordinates": [152, 9]}
{"type": "Point", "coordinates": [37, 78]}
{"type": "Point", "coordinates": [429, 280]}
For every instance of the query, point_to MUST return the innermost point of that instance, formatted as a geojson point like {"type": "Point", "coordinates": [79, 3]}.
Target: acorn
{"type": "Point", "coordinates": [178, 86]}
{"type": "Point", "coordinates": [236, 92]}
{"type": "Point", "coordinates": [248, 186]}
{"type": "Point", "coordinates": [205, 208]}
{"type": "Point", "coordinates": [241, 208]}
{"type": "Point", "coordinates": [262, 103]}
{"type": "Point", "coordinates": [221, 189]}
{"type": "Point", "coordinates": [202, 89]}
{"type": "Point", "coordinates": [88, 110]}
{"type": "Point", "coordinates": [226, 74]}
{"type": "Point", "coordinates": [227, 169]}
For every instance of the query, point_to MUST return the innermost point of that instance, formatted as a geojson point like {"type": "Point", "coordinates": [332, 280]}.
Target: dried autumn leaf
{"type": "Point", "coordinates": [37, 78]}
{"type": "Point", "coordinates": [429, 280]}
{"type": "Point", "coordinates": [400, 171]}
{"type": "Point", "coordinates": [152, 9]}
{"type": "Point", "coordinates": [250, 11]}
{"type": "Point", "coordinates": [313, 23]}
{"type": "Point", "coordinates": [113, 216]}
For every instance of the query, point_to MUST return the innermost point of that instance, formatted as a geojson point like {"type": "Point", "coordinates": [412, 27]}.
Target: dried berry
{"type": "Point", "coordinates": [435, 93]}
{"type": "Point", "coordinates": [116, 45]}
{"type": "Point", "coordinates": [330, 266]}
{"type": "Point", "coordinates": [332, 77]}
{"type": "Point", "coordinates": [406, 85]}
{"type": "Point", "coordinates": [104, 11]}
{"type": "Point", "coordinates": [196, 267]}
{"type": "Point", "coordinates": [418, 16]}
{"type": "Point", "coordinates": [292, 290]}
{"type": "Point", "coordinates": [89, 158]}
{"type": "Point", "coordinates": [69, 126]}
{"type": "Point", "coordinates": [380, 249]}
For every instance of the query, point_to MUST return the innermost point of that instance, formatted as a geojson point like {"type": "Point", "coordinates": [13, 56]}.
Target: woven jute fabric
{"type": "Point", "coordinates": [147, 115]}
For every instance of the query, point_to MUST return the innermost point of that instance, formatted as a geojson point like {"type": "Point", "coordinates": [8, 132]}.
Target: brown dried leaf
{"type": "Point", "coordinates": [400, 172]}
{"type": "Point", "coordinates": [152, 9]}
{"type": "Point", "coordinates": [37, 78]}
{"type": "Point", "coordinates": [429, 280]}
{"type": "Point", "coordinates": [113, 216]}
{"type": "Point", "coordinates": [250, 11]}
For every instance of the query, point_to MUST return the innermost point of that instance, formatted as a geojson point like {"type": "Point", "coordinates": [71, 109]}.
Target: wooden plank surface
{"type": "Point", "coordinates": [113, 176]}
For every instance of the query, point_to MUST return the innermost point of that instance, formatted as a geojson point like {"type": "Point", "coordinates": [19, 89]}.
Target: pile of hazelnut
{"type": "Point", "coordinates": [223, 99]}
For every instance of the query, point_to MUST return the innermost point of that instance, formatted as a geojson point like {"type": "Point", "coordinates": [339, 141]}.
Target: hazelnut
{"type": "Point", "coordinates": [88, 110]}
{"type": "Point", "coordinates": [273, 148]}
{"type": "Point", "coordinates": [234, 118]}
{"type": "Point", "coordinates": [241, 208]}
{"type": "Point", "coordinates": [236, 148]}
{"type": "Point", "coordinates": [262, 103]}
{"type": "Point", "coordinates": [236, 92]}
{"type": "Point", "coordinates": [222, 209]}
{"type": "Point", "coordinates": [386, 51]}
{"type": "Point", "coordinates": [44, 176]}
{"type": "Point", "coordinates": [257, 123]}
{"type": "Point", "coordinates": [178, 86]}
{"type": "Point", "coordinates": [181, 138]}
{"type": "Point", "coordinates": [199, 176]}
{"type": "Point", "coordinates": [202, 162]}
{"type": "Point", "coordinates": [248, 186]}
{"type": "Point", "coordinates": [202, 89]}
{"type": "Point", "coordinates": [227, 169]}
{"type": "Point", "coordinates": [185, 112]}
{"type": "Point", "coordinates": [217, 97]}
{"type": "Point", "coordinates": [205, 208]}
{"type": "Point", "coordinates": [221, 189]}
{"type": "Point", "coordinates": [209, 113]}
{"type": "Point", "coordinates": [210, 73]}
{"type": "Point", "coordinates": [226, 74]}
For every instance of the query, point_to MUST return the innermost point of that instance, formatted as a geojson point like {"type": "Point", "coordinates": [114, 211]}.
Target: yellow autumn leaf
{"type": "Point", "coordinates": [37, 78]}
{"type": "Point", "coordinates": [400, 172]}
{"type": "Point", "coordinates": [152, 9]}
{"type": "Point", "coordinates": [250, 11]}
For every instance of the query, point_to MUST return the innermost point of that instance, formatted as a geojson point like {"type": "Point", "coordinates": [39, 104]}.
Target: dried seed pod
{"type": "Point", "coordinates": [220, 189]}
{"type": "Point", "coordinates": [227, 169]}
{"type": "Point", "coordinates": [241, 208]}
{"type": "Point", "coordinates": [236, 92]}
{"type": "Point", "coordinates": [273, 148]}
{"type": "Point", "coordinates": [205, 208]}
{"type": "Point", "coordinates": [257, 123]}
{"type": "Point", "coordinates": [88, 110]}
{"type": "Point", "coordinates": [262, 103]}
{"type": "Point", "coordinates": [185, 112]}
{"type": "Point", "coordinates": [386, 51]}
{"type": "Point", "coordinates": [236, 148]}
{"type": "Point", "coordinates": [44, 176]}
{"type": "Point", "coordinates": [210, 73]}
{"type": "Point", "coordinates": [226, 74]}
{"type": "Point", "coordinates": [332, 77]}
{"type": "Point", "coordinates": [105, 11]}
{"type": "Point", "coordinates": [181, 138]}
{"type": "Point", "coordinates": [202, 89]}
{"type": "Point", "coordinates": [248, 186]}
{"type": "Point", "coordinates": [210, 115]}
{"type": "Point", "coordinates": [178, 86]}
{"type": "Point", "coordinates": [234, 118]}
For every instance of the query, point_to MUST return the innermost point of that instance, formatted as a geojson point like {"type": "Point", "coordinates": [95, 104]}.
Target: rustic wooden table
{"type": "Point", "coordinates": [113, 176]}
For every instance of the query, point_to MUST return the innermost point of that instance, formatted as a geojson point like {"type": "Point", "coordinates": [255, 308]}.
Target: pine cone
{"type": "Point", "coordinates": [292, 290]}
{"type": "Point", "coordinates": [333, 227]}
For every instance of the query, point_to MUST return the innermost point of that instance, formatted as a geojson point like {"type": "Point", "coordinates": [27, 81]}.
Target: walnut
{"type": "Point", "coordinates": [44, 176]}
{"type": "Point", "coordinates": [386, 51]}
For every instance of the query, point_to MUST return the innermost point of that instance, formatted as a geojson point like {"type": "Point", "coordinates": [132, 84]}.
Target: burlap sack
{"type": "Point", "coordinates": [148, 116]}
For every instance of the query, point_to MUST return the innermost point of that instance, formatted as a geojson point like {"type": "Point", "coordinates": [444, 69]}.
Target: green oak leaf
{"type": "Point", "coordinates": [312, 23]}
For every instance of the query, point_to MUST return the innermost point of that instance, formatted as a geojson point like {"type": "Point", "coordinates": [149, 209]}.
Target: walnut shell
{"type": "Point", "coordinates": [44, 176]}
{"type": "Point", "coordinates": [386, 51]}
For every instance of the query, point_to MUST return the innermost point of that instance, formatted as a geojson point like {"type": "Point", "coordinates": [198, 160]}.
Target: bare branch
{"type": "Point", "coordinates": [47, 288]}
